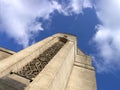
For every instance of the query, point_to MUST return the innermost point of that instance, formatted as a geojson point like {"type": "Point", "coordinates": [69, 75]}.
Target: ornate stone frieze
{"type": "Point", "coordinates": [33, 68]}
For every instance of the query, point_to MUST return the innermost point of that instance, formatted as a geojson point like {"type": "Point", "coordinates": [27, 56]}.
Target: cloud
{"type": "Point", "coordinates": [107, 37]}
{"type": "Point", "coordinates": [77, 6]}
{"type": "Point", "coordinates": [18, 18]}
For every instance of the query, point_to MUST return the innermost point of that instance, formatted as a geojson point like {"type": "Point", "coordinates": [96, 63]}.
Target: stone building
{"type": "Point", "coordinates": [55, 63]}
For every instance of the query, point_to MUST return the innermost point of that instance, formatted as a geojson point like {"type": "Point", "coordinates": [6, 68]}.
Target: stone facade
{"type": "Point", "coordinates": [4, 53]}
{"type": "Point", "coordinates": [55, 63]}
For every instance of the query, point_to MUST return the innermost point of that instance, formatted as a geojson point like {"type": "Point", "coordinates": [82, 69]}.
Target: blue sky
{"type": "Point", "coordinates": [96, 23]}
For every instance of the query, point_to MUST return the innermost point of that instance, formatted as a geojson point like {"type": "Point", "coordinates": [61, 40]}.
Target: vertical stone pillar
{"type": "Point", "coordinates": [56, 74]}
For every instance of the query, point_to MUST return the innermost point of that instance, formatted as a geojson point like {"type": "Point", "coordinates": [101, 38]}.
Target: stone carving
{"type": "Point", "coordinates": [33, 68]}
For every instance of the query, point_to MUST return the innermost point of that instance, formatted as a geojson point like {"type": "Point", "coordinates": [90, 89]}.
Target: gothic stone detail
{"type": "Point", "coordinates": [32, 69]}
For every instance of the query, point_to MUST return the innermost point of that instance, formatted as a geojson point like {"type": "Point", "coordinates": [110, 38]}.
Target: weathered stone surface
{"type": "Point", "coordinates": [4, 53]}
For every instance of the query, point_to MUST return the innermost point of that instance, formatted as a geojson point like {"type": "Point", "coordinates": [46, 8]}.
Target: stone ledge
{"type": "Point", "coordinates": [86, 66]}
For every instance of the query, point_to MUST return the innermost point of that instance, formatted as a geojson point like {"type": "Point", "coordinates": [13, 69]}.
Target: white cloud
{"type": "Point", "coordinates": [87, 4]}
{"type": "Point", "coordinates": [77, 6]}
{"type": "Point", "coordinates": [18, 17]}
{"type": "Point", "coordinates": [107, 38]}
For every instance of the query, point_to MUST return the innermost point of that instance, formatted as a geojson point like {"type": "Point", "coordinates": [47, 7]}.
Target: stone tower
{"type": "Point", "coordinates": [55, 63]}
